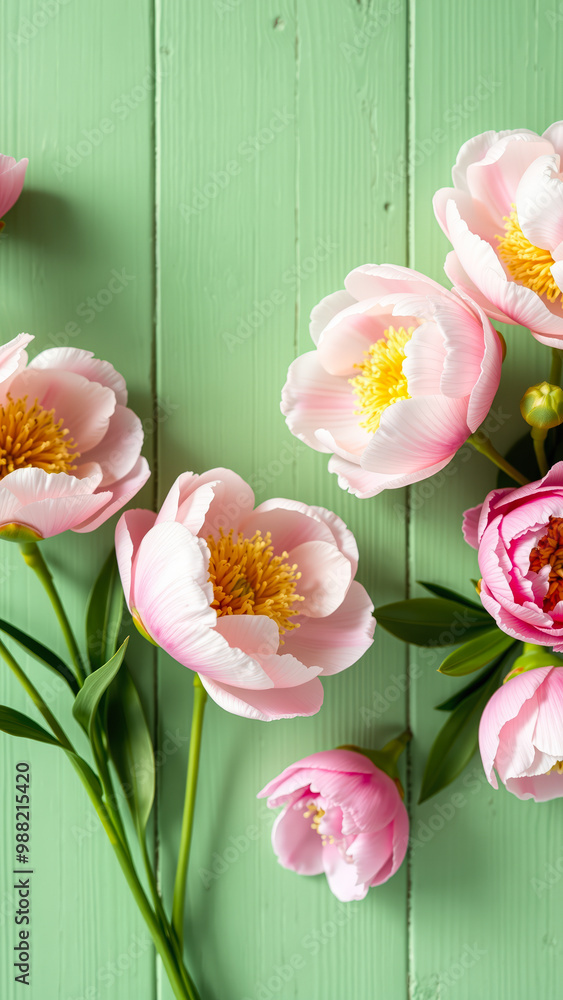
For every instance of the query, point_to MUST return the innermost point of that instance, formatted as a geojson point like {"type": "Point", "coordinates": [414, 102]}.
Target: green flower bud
{"type": "Point", "coordinates": [542, 406]}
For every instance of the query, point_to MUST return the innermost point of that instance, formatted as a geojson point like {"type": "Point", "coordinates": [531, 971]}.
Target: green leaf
{"type": "Point", "coordinates": [88, 699]}
{"type": "Point", "coordinates": [130, 746]}
{"type": "Point", "coordinates": [458, 739]}
{"type": "Point", "coordinates": [104, 614]}
{"type": "Point", "coordinates": [428, 621]}
{"type": "Point", "coordinates": [504, 662]}
{"type": "Point", "coordinates": [450, 595]}
{"type": "Point", "coordinates": [476, 653]}
{"type": "Point", "coordinates": [41, 653]}
{"type": "Point", "coordinates": [16, 724]}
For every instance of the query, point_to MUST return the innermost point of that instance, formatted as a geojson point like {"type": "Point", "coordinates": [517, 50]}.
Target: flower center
{"type": "Point", "coordinates": [527, 263]}
{"type": "Point", "coordinates": [382, 381]}
{"type": "Point", "coordinates": [30, 437]}
{"type": "Point", "coordinates": [248, 579]}
{"type": "Point", "coordinates": [557, 768]}
{"type": "Point", "coordinates": [549, 551]}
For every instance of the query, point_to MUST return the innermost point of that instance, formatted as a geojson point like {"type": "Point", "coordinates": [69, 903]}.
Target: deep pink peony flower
{"type": "Point", "coordinates": [259, 602]}
{"type": "Point", "coordinates": [504, 219]}
{"type": "Point", "coordinates": [12, 176]}
{"type": "Point", "coordinates": [342, 816]}
{"type": "Point", "coordinates": [521, 734]}
{"type": "Point", "coordinates": [403, 373]}
{"type": "Point", "coordinates": [519, 537]}
{"type": "Point", "coordinates": [69, 446]}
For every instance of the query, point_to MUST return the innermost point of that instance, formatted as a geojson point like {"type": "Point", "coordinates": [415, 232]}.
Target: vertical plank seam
{"type": "Point", "coordinates": [409, 137]}
{"type": "Point", "coordinates": [155, 133]}
{"type": "Point", "coordinates": [297, 209]}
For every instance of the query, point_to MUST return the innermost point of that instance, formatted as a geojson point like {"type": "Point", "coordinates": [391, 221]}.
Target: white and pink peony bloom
{"type": "Point", "coordinates": [403, 372]}
{"type": "Point", "coordinates": [12, 176]}
{"type": "Point", "coordinates": [518, 534]}
{"type": "Point", "coordinates": [69, 445]}
{"type": "Point", "coordinates": [521, 734]}
{"type": "Point", "coordinates": [260, 602]}
{"type": "Point", "coordinates": [504, 219]}
{"type": "Point", "coordinates": [342, 816]}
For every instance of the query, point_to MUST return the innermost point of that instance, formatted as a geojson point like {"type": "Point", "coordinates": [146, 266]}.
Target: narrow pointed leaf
{"type": "Point", "coordinates": [449, 595]}
{"type": "Point", "coordinates": [41, 653]}
{"type": "Point", "coordinates": [457, 740]}
{"type": "Point", "coordinates": [16, 724]}
{"type": "Point", "coordinates": [104, 614]}
{"type": "Point", "coordinates": [87, 701]}
{"type": "Point", "coordinates": [130, 746]}
{"type": "Point", "coordinates": [476, 653]}
{"type": "Point", "coordinates": [503, 662]}
{"type": "Point", "coordinates": [428, 621]}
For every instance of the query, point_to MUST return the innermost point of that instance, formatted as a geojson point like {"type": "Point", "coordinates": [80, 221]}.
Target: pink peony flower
{"type": "Point", "coordinates": [521, 734]}
{"type": "Point", "coordinates": [403, 372]}
{"type": "Point", "coordinates": [69, 446]}
{"type": "Point", "coordinates": [342, 816]}
{"type": "Point", "coordinates": [260, 602]}
{"type": "Point", "coordinates": [504, 219]}
{"type": "Point", "coordinates": [519, 537]}
{"type": "Point", "coordinates": [12, 176]}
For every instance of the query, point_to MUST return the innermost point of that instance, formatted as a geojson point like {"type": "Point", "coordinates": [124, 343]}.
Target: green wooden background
{"type": "Point", "coordinates": [233, 159]}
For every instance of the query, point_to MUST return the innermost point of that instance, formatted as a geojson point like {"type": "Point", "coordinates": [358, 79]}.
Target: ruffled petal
{"type": "Point", "coordinates": [72, 359]}
{"type": "Point", "coordinates": [12, 176]}
{"type": "Point", "coordinates": [415, 434]}
{"type": "Point", "coordinates": [130, 531]}
{"type": "Point", "coordinates": [326, 310]}
{"type": "Point", "coordinates": [341, 875]}
{"type": "Point", "coordinates": [118, 495]}
{"type": "Point", "coordinates": [13, 357]}
{"type": "Point", "coordinates": [84, 407]}
{"type": "Point", "coordinates": [539, 202]}
{"type": "Point", "coordinates": [338, 641]}
{"type": "Point", "coordinates": [296, 844]}
{"type": "Point", "coordinates": [325, 577]}
{"type": "Point", "coordinates": [267, 705]}
{"type": "Point", "coordinates": [119, 449]}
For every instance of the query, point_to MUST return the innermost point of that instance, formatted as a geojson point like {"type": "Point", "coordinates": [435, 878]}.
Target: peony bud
{"type": "Point", "coordinates": [542, 406]}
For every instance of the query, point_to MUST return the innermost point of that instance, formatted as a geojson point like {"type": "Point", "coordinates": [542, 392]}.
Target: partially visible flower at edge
{"type": "Point", "coordinates": [12, 176]}
{"type": "Point", "coordinates": [342, 816]}
{"type": "Point", "coordinates": [260, 602]}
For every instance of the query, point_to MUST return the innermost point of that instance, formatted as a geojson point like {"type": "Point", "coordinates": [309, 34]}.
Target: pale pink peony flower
{"type": "Point", "coordinates": [521, 734]}
{"type": "Point", "coordinates": [260, 602]}
{"type": "Point", "coordinates": [519, 537]}
{"type": "Point", "coordinates": [342, 816]}
{"type": "Point", "coordinates": [403, 372]}
{"type": "Point", "coordinates": [12, 176]}
{"type": "Point", "coordinates": [69, 446]}
{"type": "Point", "coordinates": [504, 219]}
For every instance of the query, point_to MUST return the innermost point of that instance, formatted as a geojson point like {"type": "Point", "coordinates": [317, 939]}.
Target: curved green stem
{"type": "Point", "coordinates": [178, 905]}
{"type": "Point", "coordinates": [555, 371]}
{"type": "Point", "coordinates": [36, 698]}
{"type": "Point", "coordinates": [482, 444]}
{"type": "Point", "coordinates": [539, 435]}
{"type": "Point", "coordinates": [34, 559]}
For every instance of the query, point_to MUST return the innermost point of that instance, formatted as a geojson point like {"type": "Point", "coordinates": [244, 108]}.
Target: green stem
{"type": "Point", "coordinates": [555, 371]}
{"type": "Point", "coordinates": [34, 559]}
{"type": "Point", "coordinates": [539, 435]}
{"type": "Point", "coordinates": [181, 987]}
{"type": "Point", "coordinates": [395, 747]}
{"type": "Point", "coordinates": [178, 905]}
{"type": "Point", "coordinates": [482, 444]}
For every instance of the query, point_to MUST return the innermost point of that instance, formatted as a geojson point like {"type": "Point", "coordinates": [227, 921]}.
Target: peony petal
{"type": "Point", "coordinates": [554, 135]}
{"type": "Point", "coordinates": [296, 843]}
{"type": "Point", "coordinates": [267, 705]}
{"type": "Point", "coordinates": [425, 356]}
{"type": "Point", "coordinates": [415, 434]}
{"type": "Point", "coordinates": [119, 449]}
{"type": "Point", "coordinates": [341, 876]}
{"type": "Point", "coordinates": [541, 787]}
{"type": "Point", "coordinates": [464, 286]}
{"type": "Point", "coordinates": [365, 484]}
{"type": "Point", "coordinates": [539, 202]}
{"type": "Point", "coordinates": [470, 526]}
{"type": "Point", "coordinates": [548, 734]}
{"type": "Point", "coordinates": [51, 502]}
{"type": "Point", "coordinates": [325, 576]}
{"type": "Point", "coordinates": [131, 529]}
{"type": "Point", "coordinates": [339, 640]}
{"type": "Point", "coordinates": [373, 281]}
{"type": "Point", "coordinates": [326, 310]}
{"type": "Point", "coordinates": [84, 407]}
{"type": "Point", "coordinates": [13, 356]}
{"type": "Point", "coordinates": [370, 852]}
{"type": "Point", "coordinates": [120, 494]}
{"type": "Point", "coordinates": [346, 340]}
{"type": "Point", "coordinates": [12, 176]}
{"type": "Point", "coordinates": [72, 359]}
{"type": "Point", "coordinates": [504, 705]}
{"type": "Point", "coordinates": [494, 179]}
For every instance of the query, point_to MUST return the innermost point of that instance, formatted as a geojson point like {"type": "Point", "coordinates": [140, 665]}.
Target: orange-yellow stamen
{"type": "Point", "coordinates": [557, 768]}
{"type": "Point", "coordinates": [382, 380]}
{"type": "Point", "coordinates": [528, 264]}
{"type": "Point", "coordinates": [248, 579]}
{"type": "Point", "coordinates": [549, 551]}
{"type": "Point", "coordinates": [30, 437]}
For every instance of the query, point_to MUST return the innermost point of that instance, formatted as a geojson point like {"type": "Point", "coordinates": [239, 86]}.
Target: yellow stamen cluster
{"type": "Point", "coordinates": [248, 579]}
{"type": "Point", "coordinates": [382, 381]}
{"type": "Point", "coordinates": [557, 768]}
{"type": "Point", "coordinates": [30, 437]}
{"type": "Point", "coordinates": [528, 264]}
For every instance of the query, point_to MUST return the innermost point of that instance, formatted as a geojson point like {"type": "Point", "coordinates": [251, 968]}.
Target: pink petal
{"type": "Point", "coordinates": [425, 357]}
{"type": "Point", "coordinates": [539, 203]}
{"type": "Point", "coordinates": [365, 484]}
{"type": "Point", "coordinates": [51, 502]}
{"type": "Point", "coordinates": [548, 734]}
{"type": "Point", "coordinates": [120, 494]}
{"type": "Point", "coordinates": [470, 526]}
{"type": "Point", "coordinates": [541, 787]}
{"type": "Point", "coordinates": [290, 523]}
{"type": "Point", "coordinates": [12, 176]}
{"type": "Point", "coordinates": [464, 286]}
{"type": "Point", "coordinates": [472, 151]}
{"type": "Point", "coordinates": [336, 642]}
{"type": "Point", "coordinates": [72, 359]}
{"type": "Point", "coordinates": [131, 529]}
{"type": "Point", "coordinates": [119, 449]}
{"type": "Point", "coordinates": [326, 575]}
{"type": "Point", "coordinates": [267, 705]}
{"type": "Point", "coordinates": [305, 770]}
{"type": "Point", "coordinates": [494, 179]}
{"type": "Point", "coordinates": [187, 505]}
{"type": "Point", "coordinates": [327, 308]}
{"type": "Point", "coordinates": [344, 343]}
{"type": "Point", "coordinates": [296, 844]}
{"type": "Point", "coordinates": [477, 217]}
{"type": "Point", "coordinates": [370, 853]}
{"type": "Point", "coordinates": [505, 704]}
{"type": "Point", "coordinates": [554, 135]}
{"type": "Point", "coordinates": [484, 390]}
{"type": "Point", "coordinates": [341, 876]}
{"type": "Point", "coordinates": [256, 635]}
{"type": "Point", "coordinates": [415, 434]}
{"type": "Point", "coordinates": [373, 281]}
{"type": "Point", "coordinates": [84, 407]}
{"type": "Point", "coordinates": [233, 500]}
{"type": "Point", "coordinates": [515, 754]}
{"type": "Point", "coordinates": [13, 356]}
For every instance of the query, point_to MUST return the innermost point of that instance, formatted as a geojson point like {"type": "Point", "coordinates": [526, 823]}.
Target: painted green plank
{"type": "Point", "coordinates": [479, 923]}
{"type": "Point", "coordinates": [78, 100]}
{"type": "Point", "coordinates": [252, 231]}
